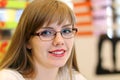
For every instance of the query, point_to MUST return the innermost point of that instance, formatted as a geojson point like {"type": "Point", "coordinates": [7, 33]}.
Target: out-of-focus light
{"type": "Point", "coordinates": [109, 21]}
{"type": "Point", "coordinates": [110, 32]}
{"type": "Point", "coordinates": [109, 11]}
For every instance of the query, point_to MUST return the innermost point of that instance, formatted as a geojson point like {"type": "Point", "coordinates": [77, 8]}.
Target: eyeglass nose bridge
{"type": "Point", "coordinates": [55, 35]}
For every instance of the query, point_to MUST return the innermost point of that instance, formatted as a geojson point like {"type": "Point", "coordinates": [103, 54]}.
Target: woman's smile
{"type": "Point", "coordinates": [58, 52]}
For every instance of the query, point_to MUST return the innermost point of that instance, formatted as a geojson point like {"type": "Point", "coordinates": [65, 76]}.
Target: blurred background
{"type": "Point", "coordinates": [97, 42]}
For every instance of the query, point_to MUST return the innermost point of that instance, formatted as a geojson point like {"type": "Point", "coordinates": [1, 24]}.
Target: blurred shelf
{"type": "Point", "coordinates": [13, 4]}
{"type": "Point", "coordinates": [8, 25]}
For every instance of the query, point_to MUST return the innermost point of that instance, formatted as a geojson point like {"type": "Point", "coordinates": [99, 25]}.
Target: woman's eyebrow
{"type": "Point", "coordinates": [50, 27]}
{"type": "Point", "coordinates": [47, 28]}
{"type": "Point", "coordinates": [66, 25]}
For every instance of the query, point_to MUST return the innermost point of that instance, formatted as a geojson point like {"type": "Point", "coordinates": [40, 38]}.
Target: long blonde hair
{"type": "Point", "coordinates": [37, 13]}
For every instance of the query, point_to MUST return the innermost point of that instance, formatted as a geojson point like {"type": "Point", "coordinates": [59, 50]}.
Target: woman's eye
{"type": "Point", "coordinates": [66, 31]}
{"type": "Point", "coordinates": [46, 33]}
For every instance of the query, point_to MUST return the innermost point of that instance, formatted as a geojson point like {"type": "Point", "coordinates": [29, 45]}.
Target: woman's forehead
{"type": "Point", "coordinates": [56, 23]}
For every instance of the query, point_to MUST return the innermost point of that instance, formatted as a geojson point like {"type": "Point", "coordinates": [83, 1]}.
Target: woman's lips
{"type": "Point", "coordinates": [58, 52]}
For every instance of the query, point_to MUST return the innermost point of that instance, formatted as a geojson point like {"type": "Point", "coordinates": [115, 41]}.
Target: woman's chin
{"type": "Point", "coordinates": [58, 64]}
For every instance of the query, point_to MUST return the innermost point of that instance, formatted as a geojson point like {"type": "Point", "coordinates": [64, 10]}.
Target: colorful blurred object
{"type": "Point", "coordinates": [21, 4]}
{"type": "Point", "coordinates": [3, 48]}
{"type": "Point", "coordinates": [10, 12]}
{"type": "Point", "coordinates": [83, 14]}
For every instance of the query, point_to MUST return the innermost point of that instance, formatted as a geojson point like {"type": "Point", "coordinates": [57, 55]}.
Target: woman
{"type": "Point", "coordinates": [42, 47]}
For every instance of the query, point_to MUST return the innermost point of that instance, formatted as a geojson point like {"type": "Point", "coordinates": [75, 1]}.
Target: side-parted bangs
{"type": "Point", "coordinates": [40, 13]}
{"type": "Point", "coordinates": [59, 12]}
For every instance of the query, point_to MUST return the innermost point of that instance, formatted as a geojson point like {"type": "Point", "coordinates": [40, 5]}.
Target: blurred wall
{"type": "Point", "coordinates": [98, 39]}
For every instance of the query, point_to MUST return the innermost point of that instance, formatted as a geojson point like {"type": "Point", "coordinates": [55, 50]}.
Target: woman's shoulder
{"type": "Point", "coordinates": [79, 76]}
{"type": "Point", "coordinates": [9, 74]}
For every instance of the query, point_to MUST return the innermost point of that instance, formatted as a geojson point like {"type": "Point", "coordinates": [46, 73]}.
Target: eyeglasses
{"type": "Point", "coordinates": [50, 34]}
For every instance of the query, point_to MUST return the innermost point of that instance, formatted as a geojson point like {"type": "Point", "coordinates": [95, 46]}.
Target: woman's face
{"type": "Point", "coordinates": [48, 51]}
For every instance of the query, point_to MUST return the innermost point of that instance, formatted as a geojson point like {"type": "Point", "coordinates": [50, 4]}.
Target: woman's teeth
{"type": "Point", "coordinates": [56, 52]}
{"type": "Point", "coordinates": [61, 52]}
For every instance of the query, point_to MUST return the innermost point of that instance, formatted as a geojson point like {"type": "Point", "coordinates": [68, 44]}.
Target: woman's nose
{"type": "Point", "coordinates": [58, 40]}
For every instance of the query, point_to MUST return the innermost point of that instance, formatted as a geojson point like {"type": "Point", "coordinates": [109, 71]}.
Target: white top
{"type": "Point", "coordinates": [8, 74]}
